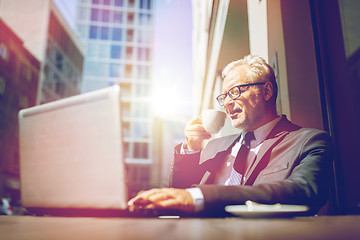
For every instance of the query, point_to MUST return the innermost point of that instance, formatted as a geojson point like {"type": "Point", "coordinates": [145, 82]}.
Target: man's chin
{"type": "Point", "coordinates": [238, 123]}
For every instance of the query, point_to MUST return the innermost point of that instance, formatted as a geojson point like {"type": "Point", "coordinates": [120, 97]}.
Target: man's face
{"type": "Point", "coordinates": [247, 111]}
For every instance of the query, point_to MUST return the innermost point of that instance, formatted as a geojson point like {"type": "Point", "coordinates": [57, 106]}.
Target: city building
{"type": "Point", "coordinates": [19, 78]}
{"type": "Point", "coordinates": [313, 47]}
{"type": "Point", "coordinates": [49, 38]}
{"type": "Point", "coordinates": [117, 35]}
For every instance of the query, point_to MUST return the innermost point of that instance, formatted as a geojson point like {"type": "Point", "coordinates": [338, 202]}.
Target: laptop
{"type": "Point", "coordinates": [72, 157]}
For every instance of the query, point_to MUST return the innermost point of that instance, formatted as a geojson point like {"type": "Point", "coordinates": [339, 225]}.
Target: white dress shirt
{"type": "Point", "coordinates": [223, 175]}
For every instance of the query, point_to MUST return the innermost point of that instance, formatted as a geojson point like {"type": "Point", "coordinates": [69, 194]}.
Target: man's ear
{"type": "Point", "coordinates": [268, 90]}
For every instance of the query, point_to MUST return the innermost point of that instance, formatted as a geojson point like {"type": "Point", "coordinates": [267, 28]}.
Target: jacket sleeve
{"type": "Point", "coordinates": [185, 170]}
{"type": "Point", "coordinates": [307, 184]}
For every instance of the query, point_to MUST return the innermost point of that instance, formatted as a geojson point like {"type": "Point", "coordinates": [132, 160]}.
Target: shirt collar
{"type": "Point", "coordinates": [262, 132]}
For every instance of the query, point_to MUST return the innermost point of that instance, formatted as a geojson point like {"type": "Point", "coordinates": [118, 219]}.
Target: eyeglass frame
{"type": "Point", "coordinates": [221, 102]}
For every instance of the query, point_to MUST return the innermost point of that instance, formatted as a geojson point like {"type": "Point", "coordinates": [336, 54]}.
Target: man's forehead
{"type": "Point", "coordinates": [236, 76]}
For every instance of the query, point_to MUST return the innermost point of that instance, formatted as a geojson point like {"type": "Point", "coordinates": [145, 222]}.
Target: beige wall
{"type": "Point", "coordinates": [300, 62]}
{"type": "Point", "coordinates": [289, 44]}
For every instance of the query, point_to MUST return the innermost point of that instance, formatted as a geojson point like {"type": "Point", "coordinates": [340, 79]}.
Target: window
{"type": "Point", "coordinates": [115, 70]}
{"type": "Point", "coordinates": [119, 3]}
{"type": "Point", "coordinates": [4, 54]}
{"type": "Point", "coordinates": [143, 72]}
{"type": "Point", "coordinates": [126, 129]}
{"type": "Point", "coordinates": [141, 109]}
{"type": "Point", "coordinates": [142, 90]}
{"type": "Point", "coordinates": [144, 54]}
{"type": "Point", "coordinates": [140, 150]}
{"type": "Point", "coordinates": [93, 32]}
{"type": "Point", "coordinates": [140, 130]}
{"type": "Point", "coordinates": [117, 17]}
{"type": "Point", "coordinates": [92, 50]}
{"type": "Point", "coordinates": [59, 60]}
{"type": "Point", "coordinates": [127, 149]}
{"type": "Point", "coordinates": [144, 19]}
{"type": "Point", "coordinates": [26, 72]}
{"type": "Point", "coordinates": [125, 109]}
{"type": "Point", "coordinates": [104, 33]}
{"type": "Point", "coordinates": [115, 51]}
{"type": "Point", "coordinates": [97, 69]}
{"type": "Point", "coordinates": [23, 101]}
{"type": "Point", "coordinates": [2, 85]}
{"type": "Point", "coordinates": [104, 50]}
{"type": "Point", "coordinates": [130, 18]}
{"type": "Point", "coordinates": [129, 52]}
{"type": "Point", "coordinates": [130, 35]}
{"type": "Point", "coordinates": [81, 30]}
{"type": "Point", "coordinates": [106, 2]}
{"type": "Point", "coordinates": [83, 13]}
{"type": "Point", "coordinates": [95, 14]}
{"type": "Point", "coordinates": [128, 71]}
{"type": "Point", "coordinates": [105, 15]}
{"type": "Point", "coordinates": [145, 4]}
{"type": "Point", "coordinates": [126, 89]}
{"type": "Point", "coordinates": [116, 34]}
{"type": "Point", "coordinates": [131, 3]}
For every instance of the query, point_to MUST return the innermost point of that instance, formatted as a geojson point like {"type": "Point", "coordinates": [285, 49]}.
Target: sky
{"type": "Point", "coordinates": [172, 56]}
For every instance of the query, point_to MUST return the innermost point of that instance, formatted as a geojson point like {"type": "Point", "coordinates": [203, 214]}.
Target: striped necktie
{"type": "Point", "coordinates": [239, 166]}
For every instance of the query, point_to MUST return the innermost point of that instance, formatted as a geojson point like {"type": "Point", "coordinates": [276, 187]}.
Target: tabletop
{"type": "Point", "coordinates": [322, 227]}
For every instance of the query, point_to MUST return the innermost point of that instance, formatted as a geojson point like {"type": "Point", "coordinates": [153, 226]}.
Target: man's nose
{"type": "Point", "coordinates": [228, 102]}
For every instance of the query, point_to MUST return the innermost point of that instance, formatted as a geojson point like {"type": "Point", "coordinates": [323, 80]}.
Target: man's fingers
{"type": "Point", "coordinates": [143, 198]}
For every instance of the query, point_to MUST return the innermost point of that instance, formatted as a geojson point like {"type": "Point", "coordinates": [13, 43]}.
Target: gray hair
{"type": "Point", "coordinates": [259, 70]}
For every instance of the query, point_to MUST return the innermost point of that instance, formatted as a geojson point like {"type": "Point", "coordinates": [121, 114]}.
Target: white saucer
{"type": "Point", "coordinates": [264, 210]}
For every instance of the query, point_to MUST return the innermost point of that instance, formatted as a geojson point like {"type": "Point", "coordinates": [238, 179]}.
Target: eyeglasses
{"type": "Point", "coordinates": [234, 92]}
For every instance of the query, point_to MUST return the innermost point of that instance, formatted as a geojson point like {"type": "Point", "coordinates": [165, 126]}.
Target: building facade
{"type": "Point", "coordinates": [19, 78]}
{"type": "Point", "coordinates": [117, 35]}
{"type": "Point", "coordinates": [49, 38]}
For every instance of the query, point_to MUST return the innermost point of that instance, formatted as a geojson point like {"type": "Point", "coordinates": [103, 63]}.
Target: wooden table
{"type": "Point", "coordinates": [52, 228]}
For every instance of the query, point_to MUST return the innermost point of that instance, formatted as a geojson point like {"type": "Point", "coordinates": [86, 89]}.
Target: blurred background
{"type": "Point", "coordinates": [167, 56]}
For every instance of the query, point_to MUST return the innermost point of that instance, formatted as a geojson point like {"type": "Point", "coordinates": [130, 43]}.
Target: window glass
{"type": "Point", "coordinates": [130, 18]}
{"type": "Point", "coordinates": [104, 33]}
{"type": "Point", "coordinates": [129, 52]}
{"type": "Point", "coordinates": [105, 15]}
{"type": "Point", "coordinates": [140, 150]}
{"type": "Point", "coordinates": [118, 3]}
{"type": "Point", "coordinates": [130, 35]}
{"type": "Point", "coordinates": [83, 13]}
{"type": "Point", "coordinates": [142, 90]}
{"type": "Point", "coordinates": [115, 70]}
{"type": "Point", "coordinates": [97, 69]}
{"type": "Point", "coordinates": [116, 51]}
{"type": "Point", "coordinates": [128, 70]}
{"type": "Point", "coordinates": [104, 50]}
{"type": "Point", "coordinates": [95, 14]}
{"type": "Point", "coordinates": [116, 34]}
{"type": "Point", "coordinates": [117, 17]}
{"type": "Point", "coordinates": [92, 50]}
{"type": "Point", "coordinates": [93, 32]}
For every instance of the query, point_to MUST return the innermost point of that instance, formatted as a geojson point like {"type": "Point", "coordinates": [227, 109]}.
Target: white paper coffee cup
{"type": "Point", "coordinates": [213, 120]}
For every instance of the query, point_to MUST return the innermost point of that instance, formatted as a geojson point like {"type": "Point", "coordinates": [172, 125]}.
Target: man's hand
{"type": "Point", "coordinates": [195, 134]}
{"type": "Point", "coordinates": [168, 198]}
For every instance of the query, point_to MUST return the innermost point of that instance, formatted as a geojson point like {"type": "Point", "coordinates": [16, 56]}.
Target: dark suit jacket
{"type": "Point", "coordinates": [291, 167]}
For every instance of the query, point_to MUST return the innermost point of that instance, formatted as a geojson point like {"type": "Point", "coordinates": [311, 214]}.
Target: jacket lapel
{"type": "Point", "coordinates": [215, 157]}
{"type": "Point", "coordinates": [282, 128]}
{"type": "Point", "coordinates": [221, 146]}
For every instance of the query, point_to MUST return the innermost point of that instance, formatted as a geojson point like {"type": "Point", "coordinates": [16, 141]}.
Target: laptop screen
{"type": "Point", "coordinates": [71, 153]}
